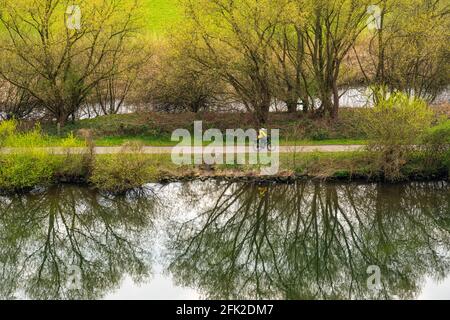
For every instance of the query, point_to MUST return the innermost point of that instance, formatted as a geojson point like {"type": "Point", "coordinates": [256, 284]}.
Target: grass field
{"type": "Point", "coordinates": [113, 141]}
{"type": "Point", "coordinates": [155, 128]}
{"type": "Point", "coordinates": [160, 14]}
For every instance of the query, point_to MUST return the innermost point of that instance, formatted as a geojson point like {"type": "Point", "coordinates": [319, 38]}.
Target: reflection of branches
{"type": "Point", "coordinates": [42, 235]}
{"type": "Point", "coordinates": [312, 240]}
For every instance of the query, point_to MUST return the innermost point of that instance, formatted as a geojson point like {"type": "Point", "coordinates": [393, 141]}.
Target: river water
{"type": "Point", "coordinates": [307, 240]}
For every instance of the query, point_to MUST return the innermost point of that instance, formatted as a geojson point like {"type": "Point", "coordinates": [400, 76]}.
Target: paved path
{"type": "Point", "coordinates": [193, 150]}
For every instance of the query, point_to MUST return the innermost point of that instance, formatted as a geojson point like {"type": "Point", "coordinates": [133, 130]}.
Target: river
{"type": "Point", "coordinates": [216, 239]}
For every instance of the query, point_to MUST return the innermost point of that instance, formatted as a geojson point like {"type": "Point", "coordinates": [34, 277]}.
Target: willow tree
{"type": "Point", "coordinates": [233, 39]}
{"type": "Point", "coordinates": [310, 46]}
{"type": "Point", "coordinates": [292, 78]}
{"type": "Point", "coordinates": [409, 50]}
{"type": "Point", "coordinates": [57, 60]}
{"type": "Point", "coordinates": [329, 32]}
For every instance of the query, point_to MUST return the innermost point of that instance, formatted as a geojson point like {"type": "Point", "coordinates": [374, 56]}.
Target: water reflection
{"type": "Point", "coordinates": [314, 241]}
{"type": "Point", "coordinates": [46, 236]}
{"type": "Point", "coordinates": [308, 240]}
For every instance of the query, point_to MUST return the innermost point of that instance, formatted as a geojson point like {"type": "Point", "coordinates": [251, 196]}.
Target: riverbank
{"type": "Point", "coordinates": [400, 151]}
{"type": "Point", "coordinates": [156, 128]}
{"type": "Point", "coordinates": [118, 173]}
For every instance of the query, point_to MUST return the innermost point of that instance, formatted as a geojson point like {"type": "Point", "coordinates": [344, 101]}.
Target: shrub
{"type": "Point", "coordinates": [25, 170]}
{"type": "Point", "coordinates": [320, 134]}
{"type": "Point", "coordinates": [447, 161]}
{"type": "Point", "coordinates": [394, 127]}
{"type": "Point", "coordinates": [127, 170]}
{"type": "Point", "coordinates": [437, 140]}
{"type": "Point", "coordinates": [7, 128]}
{"type": "Point", "coordinates": [30, 166]}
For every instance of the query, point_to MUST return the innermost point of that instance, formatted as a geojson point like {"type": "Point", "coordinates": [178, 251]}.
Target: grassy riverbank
{"type": "Point", "coordinates": [155, 128]}
{"type": "Point", "coordinates": [409, 150]}
{"type": "Point", "coordinates": [121, 172]}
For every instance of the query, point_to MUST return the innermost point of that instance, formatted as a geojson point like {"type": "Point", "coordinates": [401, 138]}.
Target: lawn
{"type": "Point", "coordinates": [155, 129]}
{"type": "Point", "coordinates": [161, 141]}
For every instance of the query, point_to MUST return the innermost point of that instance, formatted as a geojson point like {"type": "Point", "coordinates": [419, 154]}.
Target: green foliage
{"type": "Point", "coordinates": [122, 172]}
{"type": "Point", "coordinates": [394, 126]}
{"type": "Point", "coordinates": [30, 164]}
{"type": "Point", "coordinates": [447, 161]}
{"type": "Point", "coordinates": [103, 46]}
{"type": "Point", "coordinates": [7, 128]}
{"type": "Point", "coordinates": [11, 137]}
{"type": "Point", "coordinates": [438, 137]}
{"type": "Point", "coordinates": [25, 170]}
{"type": "Point", "coordinates": [160, 14]}
{"type": "Point", "coordinates": [70, 141]}
{"type": "Point", "coordinates": [436, 141]}
{"type": "Point", "coordinates": [320, 134]}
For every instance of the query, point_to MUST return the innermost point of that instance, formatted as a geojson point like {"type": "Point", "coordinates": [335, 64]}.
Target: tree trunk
{"type": "Point", "coordinates": [62, 119]}
{"type": "Point", "coordinates": [262, 115]}
{"type": "Point", "coordinates": [291, 106]}
{"type": "Point", "coordinates": [327, 104]}
{"type": "Point", "coordinates": [335, 108]}
{"type": "Point", "coordinates": [291, 99]}
{"type": "Point", "coordinates": [305, 101]}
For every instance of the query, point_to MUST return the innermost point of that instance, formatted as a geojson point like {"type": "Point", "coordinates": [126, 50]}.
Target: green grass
{"type": "Point", "coordinates": [21, 172]}
{"type": "Point", "coordinates": [326, 142]}
{"type": "Point", "coordinates": [161, 141]}
{"type": "Point", "coordinates": [161, 14]}
{"type": "Point", "coordinates": [155, 130]}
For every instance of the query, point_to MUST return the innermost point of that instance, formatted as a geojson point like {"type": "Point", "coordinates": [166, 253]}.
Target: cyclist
{"type": "Point", "coordinates": [263, 138]}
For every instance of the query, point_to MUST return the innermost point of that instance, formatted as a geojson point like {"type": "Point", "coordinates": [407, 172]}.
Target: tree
{"type": "Point", "coordinates": [409, 50]}
{"type": "Point", "coordinates": [233, 39]}
{"type": "Point", "coordinates": [16, 102]}
{"type": "Point", "coordinates": [59, 64]}
{"type": "Point", "coordinates": [292, 79]}
{"type": "Point", "coordinates": [111, 94]}
{"type": "Point", "coordinates": [331, 29]}
{"type": "Point", "coordinates": [394, 126]}
{"type": "Point", "coordinates": [103, 236]}
{"type": "Point", "coordinates": [179, 84]}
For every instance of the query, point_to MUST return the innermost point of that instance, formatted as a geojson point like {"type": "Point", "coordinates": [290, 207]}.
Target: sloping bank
{"type": "Point", "coordinates": [402, 147]}
{"type": "Point", "coordinates": [25, 170]}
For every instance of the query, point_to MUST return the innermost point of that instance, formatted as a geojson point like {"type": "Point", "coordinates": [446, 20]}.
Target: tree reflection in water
{"type": "Point", "coordinates": [43, 235]}
{"type": "Point", "coordinates": [312, 240]}
{"type": "Point", "coordinates": [308, 240]}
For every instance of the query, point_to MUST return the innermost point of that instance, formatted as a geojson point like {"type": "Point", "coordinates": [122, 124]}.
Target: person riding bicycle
{"type": "Point", "coordinates": [263, 138]}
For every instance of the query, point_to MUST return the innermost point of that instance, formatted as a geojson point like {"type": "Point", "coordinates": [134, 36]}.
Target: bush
{"type": "Point", "coordinates": [7, 128]}
{"type": "Point", "coordinates": [437, 140]}
{"type": "Point", "coordinates": [121, 172]}
{"type": "Point", "coordinates": [181, 85]}
{"type": "Point", "coordinates": [30, 166]}
{"type": "Point", "coordinates": [320, 134]}
{"type": "Point", "coordinates": [25, 170]}
{"type": "Point", "coordinates": [394, 127]}
{"type": "Point", "coordinates": [11, 137]}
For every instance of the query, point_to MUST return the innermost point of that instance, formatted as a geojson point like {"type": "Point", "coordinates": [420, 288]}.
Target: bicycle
{"type": "Point", "coordinates": [263, 144]}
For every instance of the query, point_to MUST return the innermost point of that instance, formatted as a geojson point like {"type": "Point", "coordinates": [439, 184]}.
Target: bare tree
{"type": "Point", "coordinates": [16, 102]}
{"type": "Point", "coordinates": [409, 50]}
{"type": "Point", "coordinates": [57, 65]}
{"type": "Point", "coordinates": [331, 29]}
{"type": "Point", "coordinates": [232, 38]}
